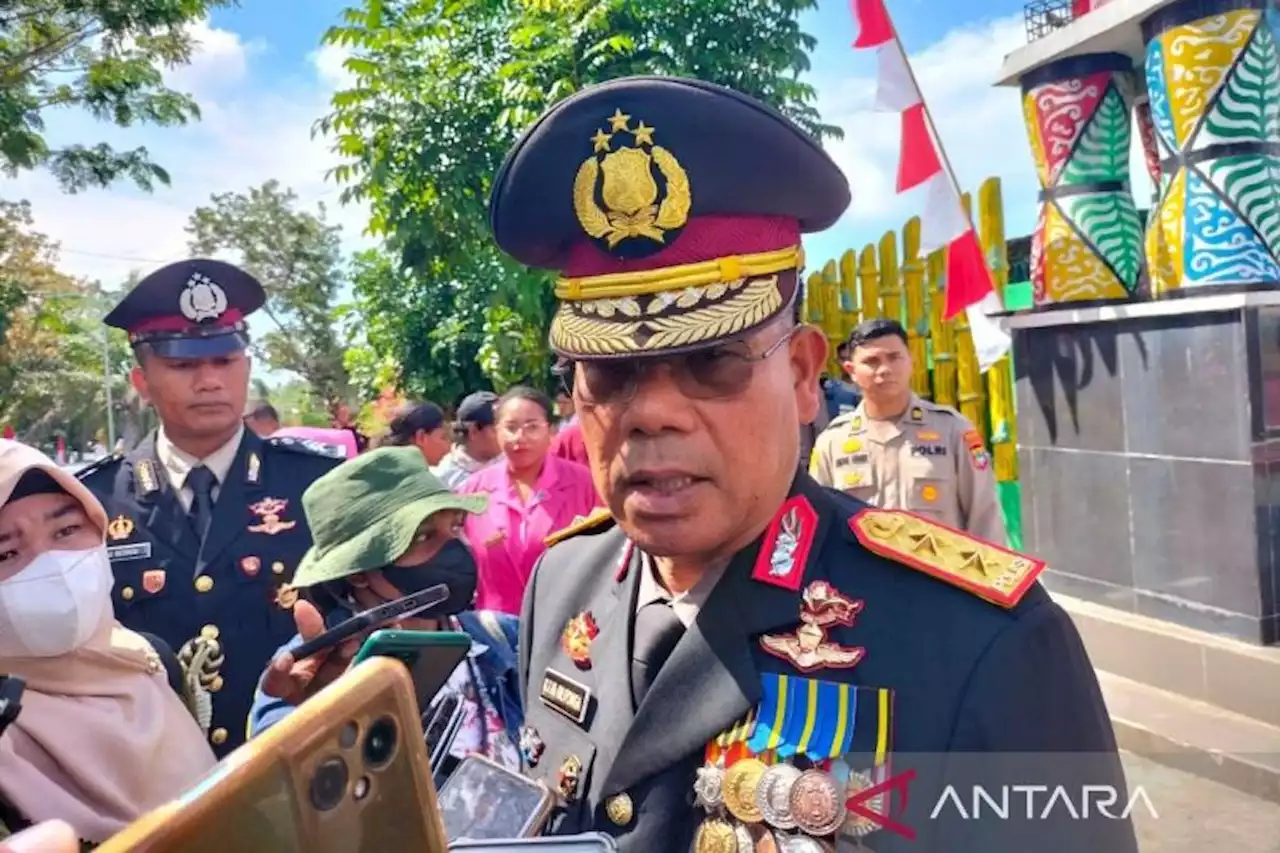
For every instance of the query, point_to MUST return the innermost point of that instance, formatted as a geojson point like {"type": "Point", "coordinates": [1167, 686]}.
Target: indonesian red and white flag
{"type": "Point", "coordinates": [944, 223]}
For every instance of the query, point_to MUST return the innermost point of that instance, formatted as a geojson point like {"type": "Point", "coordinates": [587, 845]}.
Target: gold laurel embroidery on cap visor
{"type": "Point", "coordinates": [628, 188]}
{"type": "Point", "coordinates": [742, 305]}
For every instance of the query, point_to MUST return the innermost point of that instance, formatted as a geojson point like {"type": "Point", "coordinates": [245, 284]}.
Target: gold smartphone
{"type": "Point", "coordinates": [345, 772]}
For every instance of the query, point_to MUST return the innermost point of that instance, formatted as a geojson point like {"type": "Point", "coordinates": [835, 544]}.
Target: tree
{"type": "Point", "coordinates": [297, 257]}
{"type": "Point", "coordinates": [441, 91]}
{"type": "Point", "coordinates": [52, 341]}
{"type": "Point", "coordinates": [104, 56]}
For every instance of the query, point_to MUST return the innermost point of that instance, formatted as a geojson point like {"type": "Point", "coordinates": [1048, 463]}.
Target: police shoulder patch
{"type": "Point", "coordinates": [307, 447]}
{"type": "Point", "coordinates": [106, 463]}
{"type": "Point", "coordinates": [989, 571]}
{"type": "Point", "coordinates": [598, 519]}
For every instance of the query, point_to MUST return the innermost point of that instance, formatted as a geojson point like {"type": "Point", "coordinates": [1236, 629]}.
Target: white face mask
{"type": "Point", "coordinates": [55, 604]}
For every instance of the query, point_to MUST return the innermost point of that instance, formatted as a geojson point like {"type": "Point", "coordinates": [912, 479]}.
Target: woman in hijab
{"type": "Point", "coordinates": [386, 527]}
{"type": "Point", "coordinates": [102, 736]}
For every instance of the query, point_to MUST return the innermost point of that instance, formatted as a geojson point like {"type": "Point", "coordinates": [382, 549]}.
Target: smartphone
{"type": "Point", "coordinates": [483, 800]}
{"type": "Point", "coordinates": [346, 772]}
{"type": "Point", "coordinates": [431, 656]}
{"type": "Point", "coordinates": [591, 842]}
{"type": "Point", "coordinates": [401, 608]}
{"type": "Point", "coordinates": [440, 725]}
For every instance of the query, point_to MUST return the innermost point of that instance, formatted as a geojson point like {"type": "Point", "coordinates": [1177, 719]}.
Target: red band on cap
{"type": "Point", "coordinates": [704, 238]}
{"type": "Point", "coordinates": [178, 323]}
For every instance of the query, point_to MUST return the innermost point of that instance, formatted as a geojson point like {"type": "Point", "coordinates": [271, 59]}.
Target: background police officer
{"type": "Point", "coordinates": [897, 450]}
{"type": "Point", "coordinates": [206, 518]}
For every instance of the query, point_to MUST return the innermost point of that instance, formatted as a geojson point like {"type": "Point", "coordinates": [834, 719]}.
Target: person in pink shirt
{"type": "Point", "coordinates": [532, 494]}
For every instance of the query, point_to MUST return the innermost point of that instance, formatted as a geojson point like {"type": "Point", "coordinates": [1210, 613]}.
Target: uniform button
{"type": "Point", "coordinates": [619, 809]}
{"type": "Point", "coordinates": [277, 567]}
{"type": "Point", "coordinates": [204, 583]}
{"type": "Point", "coordinates": [216, 684]}
{"type": "Point", "coordinates": [209, 632]}
{"type": "Point", "coordinates": [218, 736]}
{"type": "Point", "coordinates": [127, 593]}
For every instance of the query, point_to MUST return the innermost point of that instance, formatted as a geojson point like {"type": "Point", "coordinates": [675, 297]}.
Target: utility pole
{"type": "Point", "coordinates": [106, 385]}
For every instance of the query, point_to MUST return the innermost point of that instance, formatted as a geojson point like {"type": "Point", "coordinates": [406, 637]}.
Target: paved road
{"type": "Point", "coordinates": [1199, 816]}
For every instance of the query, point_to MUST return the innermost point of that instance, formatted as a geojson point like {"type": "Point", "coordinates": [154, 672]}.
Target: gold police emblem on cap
{"type": "Point", "coordinates": [635, 206]}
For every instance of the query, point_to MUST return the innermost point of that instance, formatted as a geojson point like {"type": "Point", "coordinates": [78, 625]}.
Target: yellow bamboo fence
{"type": "Point", "coordinates": [890, 278]}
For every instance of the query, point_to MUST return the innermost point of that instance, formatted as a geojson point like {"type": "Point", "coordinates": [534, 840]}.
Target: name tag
{"type": "Point", "coordinates": [563, 694]}
{"type": "Point", "coordinates": [929, 450]}
{"type": "Point", "coordinates": [136, 551]}
{"type": "Point", "coordinates": [855, 459]}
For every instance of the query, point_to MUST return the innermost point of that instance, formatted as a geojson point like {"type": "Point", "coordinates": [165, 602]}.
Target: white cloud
{"type": "Point", "coordinates": [254, 128]}
{"type": "Point", "coordinates": [221, 59]}
{"type": "Point", "coordinates": [328, 61]}
{"type": "Point", "coordinates": [980, 125]}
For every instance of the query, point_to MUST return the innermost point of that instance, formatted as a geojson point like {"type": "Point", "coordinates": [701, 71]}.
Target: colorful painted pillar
{"type": "Point", "coordinates": [1214, 88]}
{"type": "Point", "coordinates": [1087, 244]}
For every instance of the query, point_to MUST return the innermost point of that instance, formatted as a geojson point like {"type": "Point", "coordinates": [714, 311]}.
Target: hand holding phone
{"type": "Point", "coordinates": [324, 655]}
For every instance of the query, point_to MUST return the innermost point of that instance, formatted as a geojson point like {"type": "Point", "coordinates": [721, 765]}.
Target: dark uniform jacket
{"type": "Point", "coordinates": [939, 672]}
{"type": "Point", "coordinates": [234, 590]}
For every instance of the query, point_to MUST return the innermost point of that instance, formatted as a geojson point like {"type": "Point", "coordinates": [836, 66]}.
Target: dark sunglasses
{"type": "Point", "coordinates": [711, 374]}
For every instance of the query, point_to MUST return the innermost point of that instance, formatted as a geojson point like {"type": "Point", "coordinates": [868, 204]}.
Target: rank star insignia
{"type": "Point", "coordinates": [270, 510]}
{"type": "Point", "coordinates": [120, 528]}
{"type": "Point", "coordinates": [577, 637]}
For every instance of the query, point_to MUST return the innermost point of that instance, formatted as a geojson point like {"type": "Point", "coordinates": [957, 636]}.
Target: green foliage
{"type": "Point", "coordinates": [443, 88]}
{"type": "Point", "coordinates": [297, 257]}
{"type": "Point", "coordinates": [52, 341]}
{"type": "Point", "coordinates": [297, 404]}
{"type": "Point", "coordinates": [104, 56]}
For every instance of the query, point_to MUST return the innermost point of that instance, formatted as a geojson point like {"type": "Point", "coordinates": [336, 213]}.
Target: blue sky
{"type": "Point", "coordinates": [262, 78]}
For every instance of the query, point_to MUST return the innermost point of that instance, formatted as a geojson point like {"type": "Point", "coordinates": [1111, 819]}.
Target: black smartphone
{"type": "Point", "coordinates": [374, 617]}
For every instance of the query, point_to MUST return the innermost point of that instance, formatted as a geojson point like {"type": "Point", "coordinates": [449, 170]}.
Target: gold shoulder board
{"type": "Point", "coordinates": [989, 571]}
{"type": "Point", "coordinates": [579, 525]}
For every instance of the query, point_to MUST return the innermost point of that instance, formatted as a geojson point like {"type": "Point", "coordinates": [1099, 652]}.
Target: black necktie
{"type": "Point", "coordinates": [657, 630]}
{"type": "Point", "coordinates": [200, 480]}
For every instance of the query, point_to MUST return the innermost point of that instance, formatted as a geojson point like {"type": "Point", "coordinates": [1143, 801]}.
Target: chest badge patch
{"type": "Point", "coordinates": [120, 528]}
{"type": "Point", "coordinates": [153, 580]}
{"type": "Point", "coordinates": [807, 648]}
{"type": "Point", "coordinates": [577, 637]}
{"type": "Point", "coordinates": [269, 511]}
{"type": "Point", "coordinates": [785, 549]}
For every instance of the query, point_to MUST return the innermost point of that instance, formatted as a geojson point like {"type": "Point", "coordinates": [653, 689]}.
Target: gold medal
{"type": "Point", "coordinates": [715, 836]}
{"type": "Point", "coordinates": [740, 784]}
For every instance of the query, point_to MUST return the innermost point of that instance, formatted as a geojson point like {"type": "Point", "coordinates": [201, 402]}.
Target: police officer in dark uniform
{"type": "Point", "coordinates": [206, 523]}
{"type": "Point", "coordinates": [731, 657]}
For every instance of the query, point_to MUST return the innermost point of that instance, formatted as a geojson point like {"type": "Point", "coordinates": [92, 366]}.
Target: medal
{"type": "Point", "coordinates": [715, 836]}
{"type": "Point", "coordinates": [802, 844]}
{"type": "Point", "coordinates": [740, 784]}
{"type": "Point", "coordinates": [765, 842]}
{"type": "Point", "coordinates": [815, 803]}
{"type": "Point", "coordinates": [857, 825]}
{"type": "Point", "coordinates": [709, 786]}
{"type": "Point", "coordinates": [773, 796]}
{"type": "Point", "coordinates": [746, 844]}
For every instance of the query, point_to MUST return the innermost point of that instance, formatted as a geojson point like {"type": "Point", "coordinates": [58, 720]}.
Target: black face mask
{"type": "Point", "coordinates": [452, 565]}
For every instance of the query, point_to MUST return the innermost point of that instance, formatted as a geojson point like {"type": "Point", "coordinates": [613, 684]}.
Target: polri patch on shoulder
{"type": "Point", "coordinates": [991, 572]}
{"type": "Point", "coordinates": [597, 519]}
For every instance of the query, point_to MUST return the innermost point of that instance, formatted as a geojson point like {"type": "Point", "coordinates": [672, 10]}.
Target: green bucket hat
{"type": "Point", "coordinates": [365, 513]}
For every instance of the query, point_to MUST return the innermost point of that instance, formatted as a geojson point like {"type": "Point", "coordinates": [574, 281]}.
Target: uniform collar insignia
{"type": "Point", "coordinates": [253, 469]}
{"type": "Point", "coordinates": [917, 414]}
{"type": "Point", "coordinates": [146, 477]}
{"type": "Point", "coordinates": [784, 553]}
